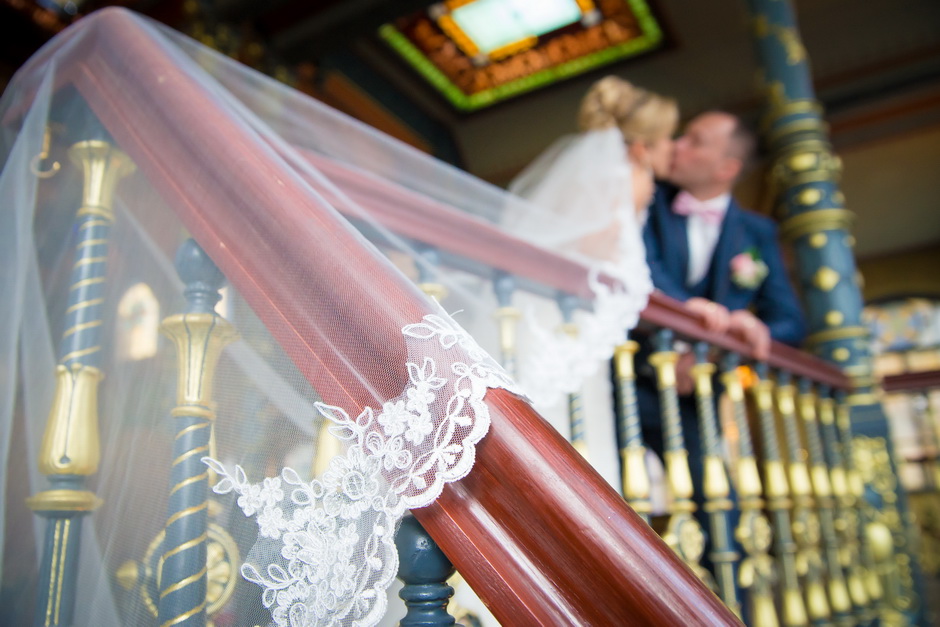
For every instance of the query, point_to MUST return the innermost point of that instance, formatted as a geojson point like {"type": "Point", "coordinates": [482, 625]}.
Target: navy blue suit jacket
{"type": "Point", "coordinates": [667, 251]}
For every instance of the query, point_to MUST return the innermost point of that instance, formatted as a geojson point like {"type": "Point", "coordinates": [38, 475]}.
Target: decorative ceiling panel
{"type": "Point", "coordinates": [480, 52]}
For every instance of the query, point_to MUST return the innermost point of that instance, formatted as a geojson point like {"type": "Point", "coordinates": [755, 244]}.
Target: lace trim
{"type": "Point", "coordinates": [326, 552]}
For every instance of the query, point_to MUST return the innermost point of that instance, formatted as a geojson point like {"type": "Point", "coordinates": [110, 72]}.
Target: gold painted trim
{"type": "Point", "coordinates": [434, 290]}
{"type": "Point", "coordinates": [98, 212]}
{"type": "Point", "coordinates": [665, 364]}
{"type": "Point", "coordinates": [826, 279]}
{"type": "Point", "coordinates": [84, 282]}
{"type": "Point", "coordinates": [183, 617]}
{"type": "Point", "coordinates": [623, 359]}
{"type": "Point", "coordinates": [190, 453]}
{"type": "Point", "coordinates": [863, 399]}
{"type": "Point", "coordinates": [87, 261]}
{"type": "Point", "coordinates": [51, 596]}
{"type": "Point", "coordinates": [85, 303]}
{"type": "Point", "coordinates": [70, 443]}
{"type": "Point", "coordinates": [87, 243]}
{"type": "Point", "coordinates": [189, 481]}
{"type": "Point", "coordinates": [189, 544]}
{"type": "Point", "coordinates": [816, 220]}
{"type": "Point", "coordinates": [192, 411]}
{"type": "Point", "coordinates": [819, 175]}
{"type": "Point", "coordinates": [191, 428]}
{"type": "Point", "coordinates": [797, 126]}
{"type": "Point", "coordinates": [183, 513]}
{"type": "Point", "coordinates": [87, 224]}
{"type": "Point", "coordinates": [179, 585]}
{"type": "Point", "coordinates": [842, 333]}
{"type": "Point", "coordinates": [792, 107]}
{"type": "Point", "coordinates": [64, 501]}
{"type": "Point", "coordinates": [80, 353]}
{"type": "Point", "coordinates": [63, 558]}
{"type": "Point", "coordinates": [81, 327]}
{"type": "Point", "coordinates": [834, 318]}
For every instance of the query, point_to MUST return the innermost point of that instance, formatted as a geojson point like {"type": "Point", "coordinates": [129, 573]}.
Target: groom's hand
{"type": "Point", "coordinates": [715, 317]}
{"type": "Point", "coordinates": [754, 332]}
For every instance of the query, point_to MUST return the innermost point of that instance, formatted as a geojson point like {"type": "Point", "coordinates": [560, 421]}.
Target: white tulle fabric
{"type": "Point", "coordinates": [320, 546]}
{"type": "Point", "coordinates": [582, 192]}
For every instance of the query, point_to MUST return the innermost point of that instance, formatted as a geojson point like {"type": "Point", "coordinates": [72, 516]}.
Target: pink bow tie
{"type": "Point", "coordinates": [685, 204]}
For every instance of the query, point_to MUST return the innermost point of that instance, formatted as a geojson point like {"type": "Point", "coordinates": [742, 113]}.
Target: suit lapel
{"type": "Point", "coordinates": [729, 243]}
{"type": "Point", "coordinates": [675, 239]}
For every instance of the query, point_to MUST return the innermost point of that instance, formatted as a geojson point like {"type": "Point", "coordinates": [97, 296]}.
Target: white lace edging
{"type": "Point", "coordinates": [325, 552]}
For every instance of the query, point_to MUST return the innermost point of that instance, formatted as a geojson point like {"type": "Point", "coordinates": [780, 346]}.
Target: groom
{"type": "Point", "coordinates": [721, 260]}
{"type": "Point", "coordinates": [704, 249]}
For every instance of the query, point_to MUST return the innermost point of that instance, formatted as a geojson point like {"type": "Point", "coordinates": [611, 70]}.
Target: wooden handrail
{"type": "Point", "coordinates": [535, 530]}
{"type": "Point", "coordinates": [911, 381]}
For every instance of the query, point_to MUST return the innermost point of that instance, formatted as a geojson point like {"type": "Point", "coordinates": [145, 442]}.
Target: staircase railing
{"type": "Point", "coordinates": [538, 534]}
{"type": "Point", "coordinates": [555, 545]}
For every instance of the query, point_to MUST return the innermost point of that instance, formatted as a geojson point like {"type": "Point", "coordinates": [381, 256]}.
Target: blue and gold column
{"type": "Point", "coordinates": [199, 335]}
{"type": "Point", "coordinates": [70, 446]}
{"type": "Point", "coordinates": [806, 194]}
{"type": "Point", "coordinates": [805, 179]}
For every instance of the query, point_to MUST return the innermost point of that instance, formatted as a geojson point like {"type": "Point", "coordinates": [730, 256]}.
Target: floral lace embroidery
{"type": "Point", "coordinates": [326, 553]}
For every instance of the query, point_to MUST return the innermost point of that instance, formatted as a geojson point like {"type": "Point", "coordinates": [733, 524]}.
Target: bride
{"type": "Point", "coordinates": [589, 193]}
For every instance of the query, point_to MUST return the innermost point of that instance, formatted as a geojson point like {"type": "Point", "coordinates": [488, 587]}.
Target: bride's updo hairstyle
{"type": "Point", "coordinates": [638, 113]}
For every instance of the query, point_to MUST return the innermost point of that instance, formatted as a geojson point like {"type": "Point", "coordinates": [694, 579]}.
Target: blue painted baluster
{"type": "Point", "coordinates": [843, 509]}
{"type": "Point", "coordinates": [683, 533]}
{"type": "Point", "coordinates": [718, 503]}
{"type": "Point", "coordinates": [777, 490]}
{"type": "Point", "coordinates": [568, 303]}
{"type": "Point", "coordinates": [839, 601]}
{"type": "Point", "coordinates": [806, 531]}
{"type": "Point", "coordinates": [857, 507]}
{"type": "Point", "coordinates": [756, 572]}
{"type": "Point", "coordinates": [507, 317]}
{"type": "Point", "coordinates": [429, 262]}
{"type": "Point", "coordinates": [199, 335]}
{"type": "Point", "coordinates": [424, 569]}
{"type": "Point", "coordinates": [70, 447]}
{"type": "Point", "coordinates": [635, 478]}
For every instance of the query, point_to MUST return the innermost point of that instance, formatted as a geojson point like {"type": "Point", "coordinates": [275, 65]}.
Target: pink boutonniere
{"type": "Point", "coordinates": [748, 270]}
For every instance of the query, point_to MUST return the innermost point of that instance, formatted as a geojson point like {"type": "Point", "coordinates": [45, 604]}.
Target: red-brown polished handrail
{"type": "Point", "coordinates": [911, 381]}
{"type": "Point", "coordinates": [533, 528]}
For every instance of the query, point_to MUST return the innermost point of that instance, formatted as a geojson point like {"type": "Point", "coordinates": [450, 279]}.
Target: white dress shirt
{"type": "Point", "coordinates": [703, 237]}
